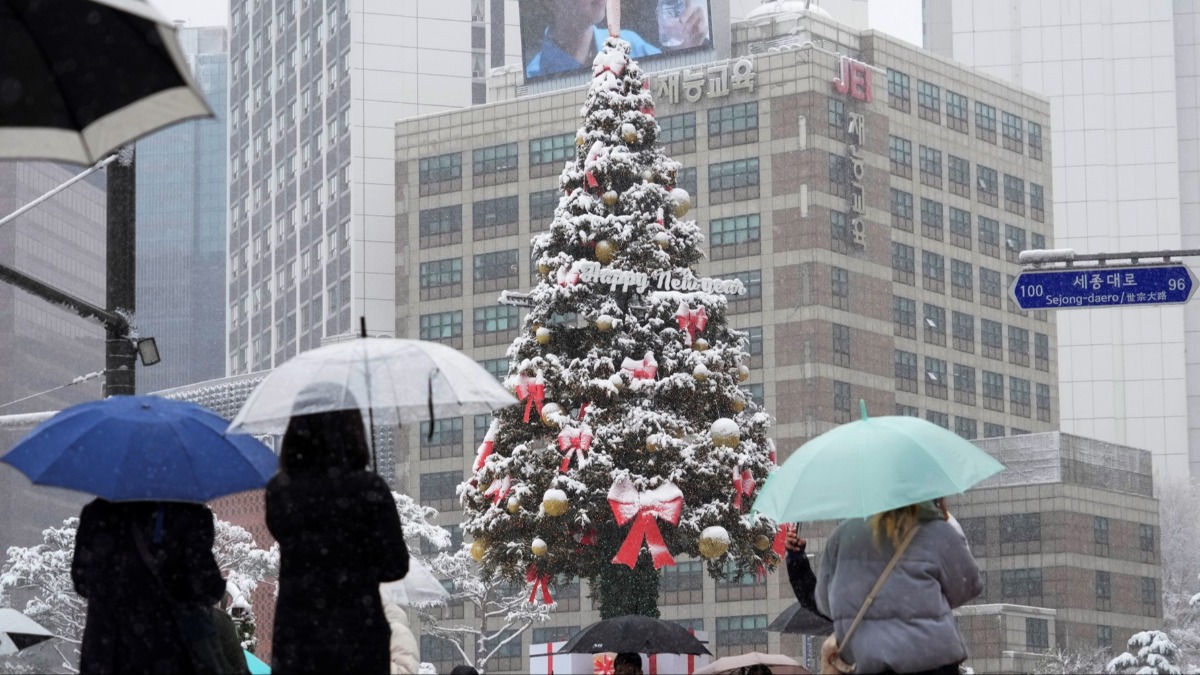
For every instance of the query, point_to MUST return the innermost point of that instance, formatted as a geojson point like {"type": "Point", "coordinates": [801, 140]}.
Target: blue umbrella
{"type": "Point", "coordinates": [131, 448]}
{"type": "Point", "coordinates": [256, 665]}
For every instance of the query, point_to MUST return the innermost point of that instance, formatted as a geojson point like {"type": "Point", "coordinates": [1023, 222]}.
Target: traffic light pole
{"type": "Point", "coordinates": [120, 353]}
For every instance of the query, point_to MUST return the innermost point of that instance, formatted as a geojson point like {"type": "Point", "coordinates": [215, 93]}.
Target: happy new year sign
{"type": "Point", "coordinates": [663, 280]}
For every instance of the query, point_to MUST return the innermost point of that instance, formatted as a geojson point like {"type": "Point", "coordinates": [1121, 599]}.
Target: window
{"type": "Point", "coordinates": [929, 102]}
{"type": "Point", "coordinates": [839, 287]}
{"type": "Point", "coordinates": [677, 133]}
{"type": "Point", "coordinates": [733, 125]}
{"type": "Point", "coordinates": [989, 288]}
{"type": "Point", "coordinates": [1018, 396]}
{"type": "Point", "coordinates": [991, 335]}
{"type": "Point", "coordinates": [552, 634]}
{"type": "Point", "coordinates": [1037, 203]}
{"type": "Point", "coordinates": [495, 271]}
{"type": "Point", "coordinates": [841, 240]}
{"type": "Point", "coordinates": [494, 159]}
{"type": "Point", "coordinates": [956, 111]}
{"type": "Point", "coordinates": [541, 209]}
{"type": "Point", "coordinates": [740, 634]}
{"type": "Point", "coordinates": [960, 228]}
{"type": "Point", "coordinates": [1146, 538]}
{"type": "Point", "coordinates": [935, 325]}
{"type": "Point", "coordinates": [1150, 597]}
{"type": "Point", "coordinates": [445, 441]}
{"type": "Point", "coordinates": [902, 210]}
{"type": "Point", "coordinates": [907, 410]}
{"type": "Point", "coordinates": [1037, 635]}
{"type": "Point", "coordinates": [841, 345]}
{"type": "Point", "coordinates": [985, 122]}
{"type": "Point", "coordinates": [931, 167]}
{"type": "Point", "coordinates": [903, 264]}
{"type": "Point", "coordinates": [547, 154]}
{"type": "Point", "coordinates": [1013, 130]}
{"type": "Point", "coordinates": [495, 324]}
{"type": "Point", "coordinates": [898, 90]}
{"type": "Point", "coordinates": [439, 174]}
{"type": "Point", "coordinates": [443, 327]}
{"type": "Point", "coordinates": [988, 188]}
{"type": "Point", "coordinates": [931, 219]}
{"type": "Point", "coordinates": [756, 393]}
{"type": "Point", "coordinates": [1041, 351]}
{"type": "Point", "coordinates": [438, 490]}
{"type": "Point", "coordinates": [1104, 638]}
{"type": "Point", "coordinates": [682, 584]}
{"type": "Point", "coordinates": [841, 402]}
{"type": "Point", "coordinates": [1035, 141]}
{"type": "Point", "coordinates": [993, 392]}
{"type": "Point", "coordinates": [835, 117]}
{"type": "Point", "coordinates": [1103, 590]}
{"type": "Point", "coordinates": [686, 179]}
{"type": "Point", "coordinates": [839, 175]}
{"type": "Point", "coordinates": [441, 279]}
{"type": "Point", "coordinates": [993, 430]}
{"type": "Point", "coordinates": [442, 653]}
{"type": "Point", "coordinates": [499, 370]}
{"type": "Point", "coordinates": [959, 171]}
{"type": "Point", "coordinates": [735, 236]}
{"type": "Point", "coordinates": [906, 371]}
{"type": "Point", "coordinates": [933, 271]}
{"type": "Point", "coordinates": [939, 418]}
{"type": "Point", "coordinates": [964, 332]}
{"type": "Point", "coordinates": [493, 218]}
{"type": "Point", "coordinates": [962, 279]}
{"type": "Point", "coordinates": [900, 156]}
{"type": "Point", "coordinates": [935, 377]}
{"type": "Point", "coordinates": [1020, 527]}
{"type": "Point", "coordinates": [989, 236]}
{"type": "Point", "coordinates": [966, 427]}
{"type": "Point", "coordinates": [904, 317]}
{"type": "Point", "coordinates": [754, 345]}
{"type": "Point", "coordinates": [964, 384]}
{"type": "Point", "coordinates": [752, 300]}
{"type": "Point", "coordinates": [1014, 195]}
{"type": "Point", "coordinates": [1018, 346]}
{"type": "Point", "coordinates": [1100, 535]}
{"type": "Point", "coordinates": [733, 181]}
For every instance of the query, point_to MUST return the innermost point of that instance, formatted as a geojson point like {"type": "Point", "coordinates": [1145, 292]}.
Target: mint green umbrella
{"type": "Point", "coordinates": [256, 665]}
{"type": "Point", "coordinates": [872, 465]}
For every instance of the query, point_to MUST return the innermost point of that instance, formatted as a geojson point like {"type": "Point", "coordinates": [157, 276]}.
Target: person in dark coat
{"type": "Point", "coordinates": [130, 627]}
{"type": "Point", "coordinates": [339, 536]}
{"type": "Point", "coordinates": [800, 573]}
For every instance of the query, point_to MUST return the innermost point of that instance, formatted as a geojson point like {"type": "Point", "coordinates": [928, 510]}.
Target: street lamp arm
{"type": "Point", "coordinates": [109, 320]}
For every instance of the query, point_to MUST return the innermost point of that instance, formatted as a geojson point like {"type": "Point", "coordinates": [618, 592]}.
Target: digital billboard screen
{"type": "Point", "coordinates": [563, 36]}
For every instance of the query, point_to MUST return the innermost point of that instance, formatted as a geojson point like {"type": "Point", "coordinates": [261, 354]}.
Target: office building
{"type": "Point", "coordinates": [1122, 82]}
{"type": "Point", "coordinates": [315, 90]}
{"type": "Point", "coordinates": [182, 206]}
{"type": "Point", "coordinates": [875, 225]}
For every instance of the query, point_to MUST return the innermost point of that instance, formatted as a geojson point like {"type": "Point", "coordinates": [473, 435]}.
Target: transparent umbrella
{"type": "Point", "coordinates": [418, 588]}
{"type": "Point", "coordinates": [18, 631]}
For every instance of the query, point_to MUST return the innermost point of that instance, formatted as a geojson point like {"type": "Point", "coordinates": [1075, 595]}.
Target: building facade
{"type": "Point", "coordinates": [315, 89]}
{"type": "Point", "coordinates": [1122, 81]}
{"type": "Point", "coordinates": [181, 210]}
{"type": "Point", "coordinates": [871, 196]}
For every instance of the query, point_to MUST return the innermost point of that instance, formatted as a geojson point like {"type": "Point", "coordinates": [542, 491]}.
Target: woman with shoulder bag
{"type": "Point", "coordinates": [890, 584]}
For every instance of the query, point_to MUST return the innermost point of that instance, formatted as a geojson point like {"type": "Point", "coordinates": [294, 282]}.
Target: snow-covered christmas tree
{"type": "Point", "coordinates": [634, 442]}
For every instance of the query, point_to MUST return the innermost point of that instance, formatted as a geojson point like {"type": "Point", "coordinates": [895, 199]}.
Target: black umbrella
{"type": "Point", "coordinates": [634, 633]}
{"type": "Point", "coordinates": [797, 619]}
{"type": "Point", "coordinates": [80, 78]}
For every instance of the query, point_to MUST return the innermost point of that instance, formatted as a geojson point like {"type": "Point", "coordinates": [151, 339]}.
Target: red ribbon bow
{"type": "Point", "coordinates": [499, 490]}
{"type": "Point", "coordinates": [489, 444]}
{"type": "Point", "coordinates": [574, 441]}
{"type": "Point", "coordinates": [771, 452]}
{"type": "Point", "coordinates": [691, 320]}
{"type": "Point", "coordinates": [760, 574]}
{"type": "Point", "coordinates": [567, 277]}
{"type": "Point", "coordinates": [532, 390]}
{"type": "Point", "coordinates": [541, 581]}
{"type": "Point", "coordinates": [646, 369]}
{"type": "Point", "coordinates": [743, 485]}
{"type": "Point", "coordinates": [645, 509]}
{"type": "Point", "coordinates": [603, 664]}
{"type": "Point", "coordinates": [592, 183]}
{"type": "Point", "coordinates": [780, 543]}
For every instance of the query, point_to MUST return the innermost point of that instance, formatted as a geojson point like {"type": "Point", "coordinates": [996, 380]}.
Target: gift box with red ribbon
{"type": "Point", "coordinates": [543, 660]}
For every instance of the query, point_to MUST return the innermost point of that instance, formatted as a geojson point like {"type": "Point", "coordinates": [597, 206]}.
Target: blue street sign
{"type": "Point", "coordinates": [1086, 287]}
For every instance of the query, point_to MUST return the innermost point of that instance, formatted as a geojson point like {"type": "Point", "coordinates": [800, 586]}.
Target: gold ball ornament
{"type": "Point", "coordinates": [610, 198]}
{"type": "Point", "coordinates": [762, 542]}
{"type": "Point", "coordinates": [514, 504]}
{"type": "Point", "coordinates": [604, 323]}
{"type": "Point", "coordinates": [725, 433]}
{"type": "Point", "coordinates": [551, 412]}
{"type": "Point", "coordinates": [555, 503]}
{"type": "Point", "coordinates": [543, 269]}
{"type": "Point", "coordinates": [580, 137]}
{"type": "Point", "coordinates": [605, 249]}
{"type": "Point", "coordinates": [700, 344]}
{"type": "Point", "coordinates": [701, 373]}
{"type": "Point", "coordinates": [478, 548]}
{"type": "Point", "coordinates": [617, 381]}
{"type": "Point", "coordinates": [662, 240]}
{"type": "Point", "coordinates": [737, 405]}
{"type": "Point", "coordinates": [683, 201]}
{"type": "Point", "coordinates": [538, 547]}
{"type": "Point", "coordinates": [654, 442]}
{"type": "Point", "coordinates": [714, 542]}
{"type": "Point", "coordinates": [542, 336]}
{"type": "Point", "coordinates": [743, 373]}
{"type": "Point", "coordinates": [629, 133]}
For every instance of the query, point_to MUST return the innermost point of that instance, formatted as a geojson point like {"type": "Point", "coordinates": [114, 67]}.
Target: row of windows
{"type": "Point", "coordinates": [1015, 131]}
{"type": "Point", "coordinates": [987, 184]}
{"type": "Point", "coordinates": [968, 390]}
{"type": "Point", "coordinates": [964, 426]}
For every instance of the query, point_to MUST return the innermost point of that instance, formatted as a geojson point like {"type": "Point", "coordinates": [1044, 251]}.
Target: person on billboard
{"type": "Point", "coordinates": [576, 34]}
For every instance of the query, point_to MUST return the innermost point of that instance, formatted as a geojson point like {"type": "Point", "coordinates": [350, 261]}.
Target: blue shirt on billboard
{"type": "Point", "coordinates": [552, 59]}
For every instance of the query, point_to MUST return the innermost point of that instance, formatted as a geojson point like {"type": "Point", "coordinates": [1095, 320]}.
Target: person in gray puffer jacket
{"type": "Point", "coordinates": [910, 628]}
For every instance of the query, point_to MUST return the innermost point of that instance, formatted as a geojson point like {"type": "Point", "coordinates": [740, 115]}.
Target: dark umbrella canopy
{"type": "Point", "coordinates": [634, 633]}
{"type": "Point", "coordinates": [80, 78]}
{"type": "Point", "coordinates": [797, 619]}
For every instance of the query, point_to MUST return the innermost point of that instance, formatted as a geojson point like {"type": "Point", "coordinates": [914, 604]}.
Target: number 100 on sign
{"type": "Point", "coordinates": [1076, 288]}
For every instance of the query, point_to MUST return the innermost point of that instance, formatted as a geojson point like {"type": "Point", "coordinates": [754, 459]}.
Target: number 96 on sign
{"type": "Point", "coordinates": [1076, 288]}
